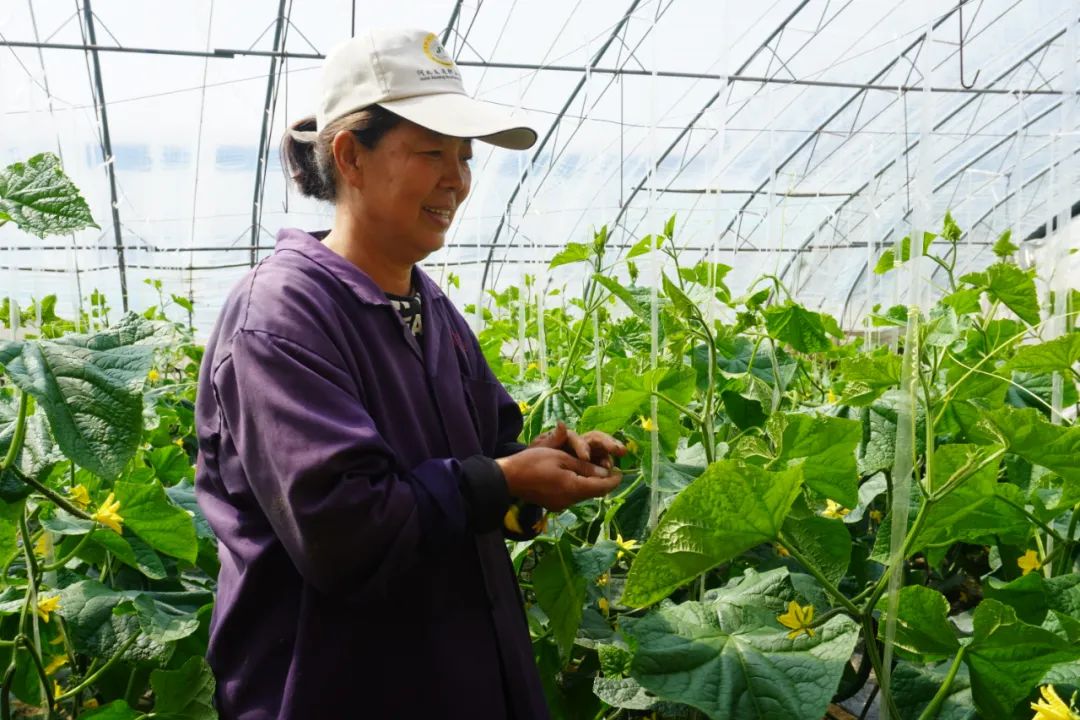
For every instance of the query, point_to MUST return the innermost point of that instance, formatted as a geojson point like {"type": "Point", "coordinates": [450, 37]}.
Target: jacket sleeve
{"type": "Point", "coordinates": [522, 520]}
{"type": "Point", "coordinates": [329, 485]}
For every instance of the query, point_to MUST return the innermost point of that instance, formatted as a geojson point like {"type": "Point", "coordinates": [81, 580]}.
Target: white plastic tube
{"type": "Point", "coordinates": [654, 300]}
{"type": "Point", "coordinates": [907, 411]}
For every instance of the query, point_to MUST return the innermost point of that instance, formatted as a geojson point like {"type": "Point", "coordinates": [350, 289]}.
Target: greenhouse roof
{"type": "Point", "coordinates": [794, 137]}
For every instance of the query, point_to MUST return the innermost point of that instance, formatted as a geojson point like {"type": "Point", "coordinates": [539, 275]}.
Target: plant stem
{"type": "Point", "coordinates": [1045, 528]}
{"type": "Point", "coordinates": [89, 680]}
{"type": "Point", "coordinates": [883, 581]}
{"type": "Point", "coordinates": [20, 434]}
{"type": "Point", "coordinates": [870, 640]}
{"type": "Point", "coordinates": [825, 583]}
{"type": "Point", "coordinates": [681, 408]}
{"type": "Point", "coordinates": [61, 562]}
{"type": "Point", "coordinates": [55, 497]}
{"type": "Point", "coordinates": [938, 700]}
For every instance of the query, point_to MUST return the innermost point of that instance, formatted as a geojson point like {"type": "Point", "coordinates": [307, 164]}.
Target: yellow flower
{"type": "Point", "coordinates": [90, 703]}
{"type": "Point", "coordinates": [153, 376]}
{"type": "Point", "coordinates": [781, 550]}
{"type": "Point", "coordinates": [602, 580]}
{"type": "Point", "coordinates": [179, 442]}
{"type": "Point", "coordinates": [107, 514]}
{"type": "Point", "coordinates": [57, 691]}
{"type": "Point", "coordinates": [834, 511]}
{"type": "Point", "coordinates": [40, 545]}
{"type": "Point", "coordinates": [646, 423]}
{"type": "Point", "coordinates": [523, 406]}
{"type": "Point", "coordinates": [604, 606]}
{"type": "Point", "coordinates": [625, 546]}
{"type": "Point", "coordinates": [532, 366]}
{"type": "Point", "coordinates": [55, 664]}
{"type": "Point", "coordinates": [799, 619]}
{"type": "Point", "coordinates": [48, 605]}
{"type": "Point", "coordinates": [1029, 562]}
{"type": "Point", "coordinates": [1052, 707]}
{"type": "Point", "coordinates": [832, 396]}
{"type": "Point", "coordinates": [80, 496]}
{"type": "Point", "coordinates": [876, 515]}
{"type": "Point", "coordinates": [632, 447]}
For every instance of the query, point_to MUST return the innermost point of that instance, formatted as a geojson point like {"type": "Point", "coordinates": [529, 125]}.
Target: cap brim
{"type": "Point", "coordinates": [459, 115]}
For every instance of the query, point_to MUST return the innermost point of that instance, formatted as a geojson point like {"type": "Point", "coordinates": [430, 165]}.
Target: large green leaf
{"type": "Point", "coordinates": [162, 622]}
{"type": "Point", "coordinates": [878, 450]}
{"type": "Point", "coordinates": [145, 560]}
{"type": "Point", "coordinates": [618, 290]}
{"type": "Point", "coordinates": [798, 327]}
{"type": "Point", "coordinates": [922, 625]}
{"type": "Point", "coordinates": [148, 512]}
{"type": "Point", "coordinates": [755, 599]}
{"type": "Point", "coordinates": [572, 253]}
{"type": "Point", "coordinates": [824, 542]}
{"type": "Point", "coordinates": [729, 509]}
{"type": "Point", "coordinates": [866, 377]}
{"type": "Point", "coordinates": [132, 329]}
{"type": "Point", "coordinates": [39, 453]}
{"type": "Point", "coordinates": [914, 686]}
{"type": "Point", "coordinates": [740, 355]}
{"type": "Point", "coordinates": [1007, 658]}
{"type": "Point", "coordinates": [1058, 355]}
{"type": "Point", "coordinates": [96, 630]}
{"type": "Point", "coordinates": [40, 199]}
{"type": "Point", "coordinates": [825, 447]}
{"type": "Point", "coordinates": [1012, 287]}
{"type": "Point", "coordinates": [92, 398]}
{"type": "Point", "coordinates": [684, 656]}
{"type": "Point", "coordinates": [1027, 433]}
{"type": "Point", "coordinates": [560, 590]}
{"type": "Point", "coordinates": [116, 710]}
{"type": "Point", "coordinates": [184, 694]}
{"type": "Point", "coordinates": [1033, 596]}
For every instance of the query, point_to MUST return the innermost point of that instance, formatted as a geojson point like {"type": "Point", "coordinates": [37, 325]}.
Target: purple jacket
{"type": "Point", "coordinates": [360, 577]}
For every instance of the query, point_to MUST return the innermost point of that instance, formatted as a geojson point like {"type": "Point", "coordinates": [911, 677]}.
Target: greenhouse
{"type": "Point", "coordinates": [644, 359]}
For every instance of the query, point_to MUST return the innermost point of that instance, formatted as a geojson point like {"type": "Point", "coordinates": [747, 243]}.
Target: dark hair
{"type": "Point", "coordinates": [310, 163]}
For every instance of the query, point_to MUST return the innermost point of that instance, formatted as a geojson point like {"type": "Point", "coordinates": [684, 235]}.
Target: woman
{"type": "Point", "coordinates": [358, 459]}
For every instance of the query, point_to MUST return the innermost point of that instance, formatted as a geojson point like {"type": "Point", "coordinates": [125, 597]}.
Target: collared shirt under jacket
{"type": "Point", "coordinates": [354, 582]}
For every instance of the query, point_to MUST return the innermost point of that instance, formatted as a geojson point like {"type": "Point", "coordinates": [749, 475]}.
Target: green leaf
{"type": "Point", "coordinates": [624, 294]}
{"type": "Point", "coordinates": [706, 274]}
{"type": "Point", "coordinates": [616, 414]}
{"type": "Point", "coordinates": [116, 710]}
{"type": "Point", "coordinates": [914, 687]}
{"type": "Point", "coordinates": [825, 447]}
{"type": "Point", "coordinates": [171, 464]}
{"type": "Point", "coordinates": [922, 625]}
{"type": "Point", "coordinates": [825, 543]}
{"type": "Point", "coordinates": [1058, 355]}
{"type": "Point", "coordinates": [183, 302]}
{"type": "Point", "coordinates": [184, 694]}
{"type": "Point", "coordinates": [1033, 596]}
{"type": "Point", "coordinates": [644, 246]}
{"type": "Point", "coordinates": [744, 412]}
{"type": "Point", "coordinates": [866, 377]}
{"type": "Point", "coordinates": [950, 230]}
{"type": "Point", "coordinates": [594, 560]}
{"type": "Point", "coordinates": [1004, 246]}
{"type": "Point", "coordinates": [148, 513]}
{"type": "Point", "coordinates": [669, 227]}
{"type": "Point", "coordinates": [1013, 287]}
{"type": "Point", "coordinates": [895, 316]}
{"type": "Point", "coordinates": [741, 355]}
{"type": "Point", "coordinates": [886, 262]}
{"type": "Point", "coordinates": [572, 253]}
{"type": "Point", "coordinates": [161, 621]}
{"type": "Point", "coordinates": [798, 327]}
{"type": "Point", "coordinates": [92, 398]}
{"type": "Point", "coordinates": [684, 656]}
{"type": "Point", "coordinates": [964, 301]}
{"type": "Point", "coordinates": [623, 693]}
{"type": "Point", "coordinates": [1007, 658]}
{"type": "Point", "coordinates": [1027, 433]}
{"type": "Point", "coordinates": [145, 560]}
{"type": "Point", "coordinates": [96, 630]}
{"type": "Point", "coordinates": [41, 199]}
{"type": "Point", "coordinates": [678, 298]}
{"type": "Point", "coordinates": [560, 590]}
{"type": "Point", "coordinates": [729, 509]}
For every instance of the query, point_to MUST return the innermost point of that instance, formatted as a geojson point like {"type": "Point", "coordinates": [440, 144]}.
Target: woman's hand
{"type": "Point", "coordinates": [594, 446]}
{"type": "Point", "coordinates": [554, 479]}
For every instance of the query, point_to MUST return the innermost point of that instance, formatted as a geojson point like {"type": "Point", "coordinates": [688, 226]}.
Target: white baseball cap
{"type": "Point", "coordinates": [409, 73]}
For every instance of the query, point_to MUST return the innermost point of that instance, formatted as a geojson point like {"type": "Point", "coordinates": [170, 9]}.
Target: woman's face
{"type": "Point", "coordinates": [414, 182]}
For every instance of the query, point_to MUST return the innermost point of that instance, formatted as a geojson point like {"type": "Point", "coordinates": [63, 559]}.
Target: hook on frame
{"type": "Point", "coordinates": [966, 86]}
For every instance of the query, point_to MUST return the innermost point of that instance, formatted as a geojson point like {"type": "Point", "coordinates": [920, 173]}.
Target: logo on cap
{"type": "Point", "coordinates": [435, 50]}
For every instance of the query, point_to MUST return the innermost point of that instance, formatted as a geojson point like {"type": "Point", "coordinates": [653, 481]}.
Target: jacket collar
{"type": "Point", "coordinates": [310, 246]}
